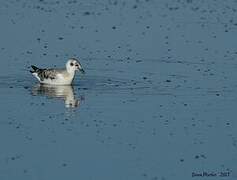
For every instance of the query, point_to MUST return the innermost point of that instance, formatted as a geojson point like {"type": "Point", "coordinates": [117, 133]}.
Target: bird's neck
{"type": "Point", "coordinates": [71, 72]}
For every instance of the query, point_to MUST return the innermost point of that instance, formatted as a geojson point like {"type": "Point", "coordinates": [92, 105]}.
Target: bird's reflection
{"type": "Point", "coordinates": [61, 92]}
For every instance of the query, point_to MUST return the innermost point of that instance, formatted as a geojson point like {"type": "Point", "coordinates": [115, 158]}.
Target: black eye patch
{"type": "Point", "coordinates": [71, 64]}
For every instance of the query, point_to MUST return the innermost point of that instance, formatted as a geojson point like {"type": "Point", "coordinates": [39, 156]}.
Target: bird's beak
{"type": "Point", "coordinates": [79, 67]}
{"type": "Point", "coordinates": [82, 71]}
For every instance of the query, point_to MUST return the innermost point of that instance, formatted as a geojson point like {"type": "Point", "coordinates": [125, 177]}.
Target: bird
{"type": "Point", "coordinates": [58, 76]}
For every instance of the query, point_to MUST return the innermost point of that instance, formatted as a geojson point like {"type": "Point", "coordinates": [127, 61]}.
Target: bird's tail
{"type": "Point", "coordinates": [34, 69]}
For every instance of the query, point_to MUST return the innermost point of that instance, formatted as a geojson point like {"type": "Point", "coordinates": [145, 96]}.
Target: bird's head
{"type": "Point", "coordinates": [73, 65]}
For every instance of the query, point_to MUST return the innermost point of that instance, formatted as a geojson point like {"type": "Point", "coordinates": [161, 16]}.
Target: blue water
{"type": "Point", "coordinates": [158, 100]}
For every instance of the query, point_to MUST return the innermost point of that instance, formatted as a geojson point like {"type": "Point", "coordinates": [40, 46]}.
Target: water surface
{"type": "Point", "coordinates": [158, 100]}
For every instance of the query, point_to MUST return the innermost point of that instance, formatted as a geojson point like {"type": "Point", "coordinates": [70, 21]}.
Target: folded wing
{"type": "Point", "coordinates": [43, 73]}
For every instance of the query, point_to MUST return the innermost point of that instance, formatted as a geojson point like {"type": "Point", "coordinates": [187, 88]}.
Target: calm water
{"type": "Point", "coordinates": [158, 100]}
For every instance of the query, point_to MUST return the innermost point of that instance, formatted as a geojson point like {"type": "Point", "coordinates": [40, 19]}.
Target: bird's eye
{"type": "Point", "coordinates": [71, 64]}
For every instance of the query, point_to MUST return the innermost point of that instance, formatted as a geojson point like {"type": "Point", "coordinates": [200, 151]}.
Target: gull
{"type": "Point", "coordinates": [58, 76]}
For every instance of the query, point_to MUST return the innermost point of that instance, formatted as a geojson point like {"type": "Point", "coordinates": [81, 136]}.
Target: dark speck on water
{"type": "Point", "coordinates": [64, 164]}
{"type": "Point", "coordinates": [86, 13]}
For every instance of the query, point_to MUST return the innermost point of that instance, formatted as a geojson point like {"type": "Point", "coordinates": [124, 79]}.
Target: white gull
{"type": "Point", "coordinates": [58, 76]}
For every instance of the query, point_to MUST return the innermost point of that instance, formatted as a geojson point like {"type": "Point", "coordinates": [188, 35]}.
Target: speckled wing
{"type": "Point", "coordinates": [44, 73]}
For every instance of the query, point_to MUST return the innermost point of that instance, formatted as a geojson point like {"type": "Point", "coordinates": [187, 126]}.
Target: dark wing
{"type": "Point", "coordinates": [44, 73]}
{"type": "Point", "coordinates": [35, 69]}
